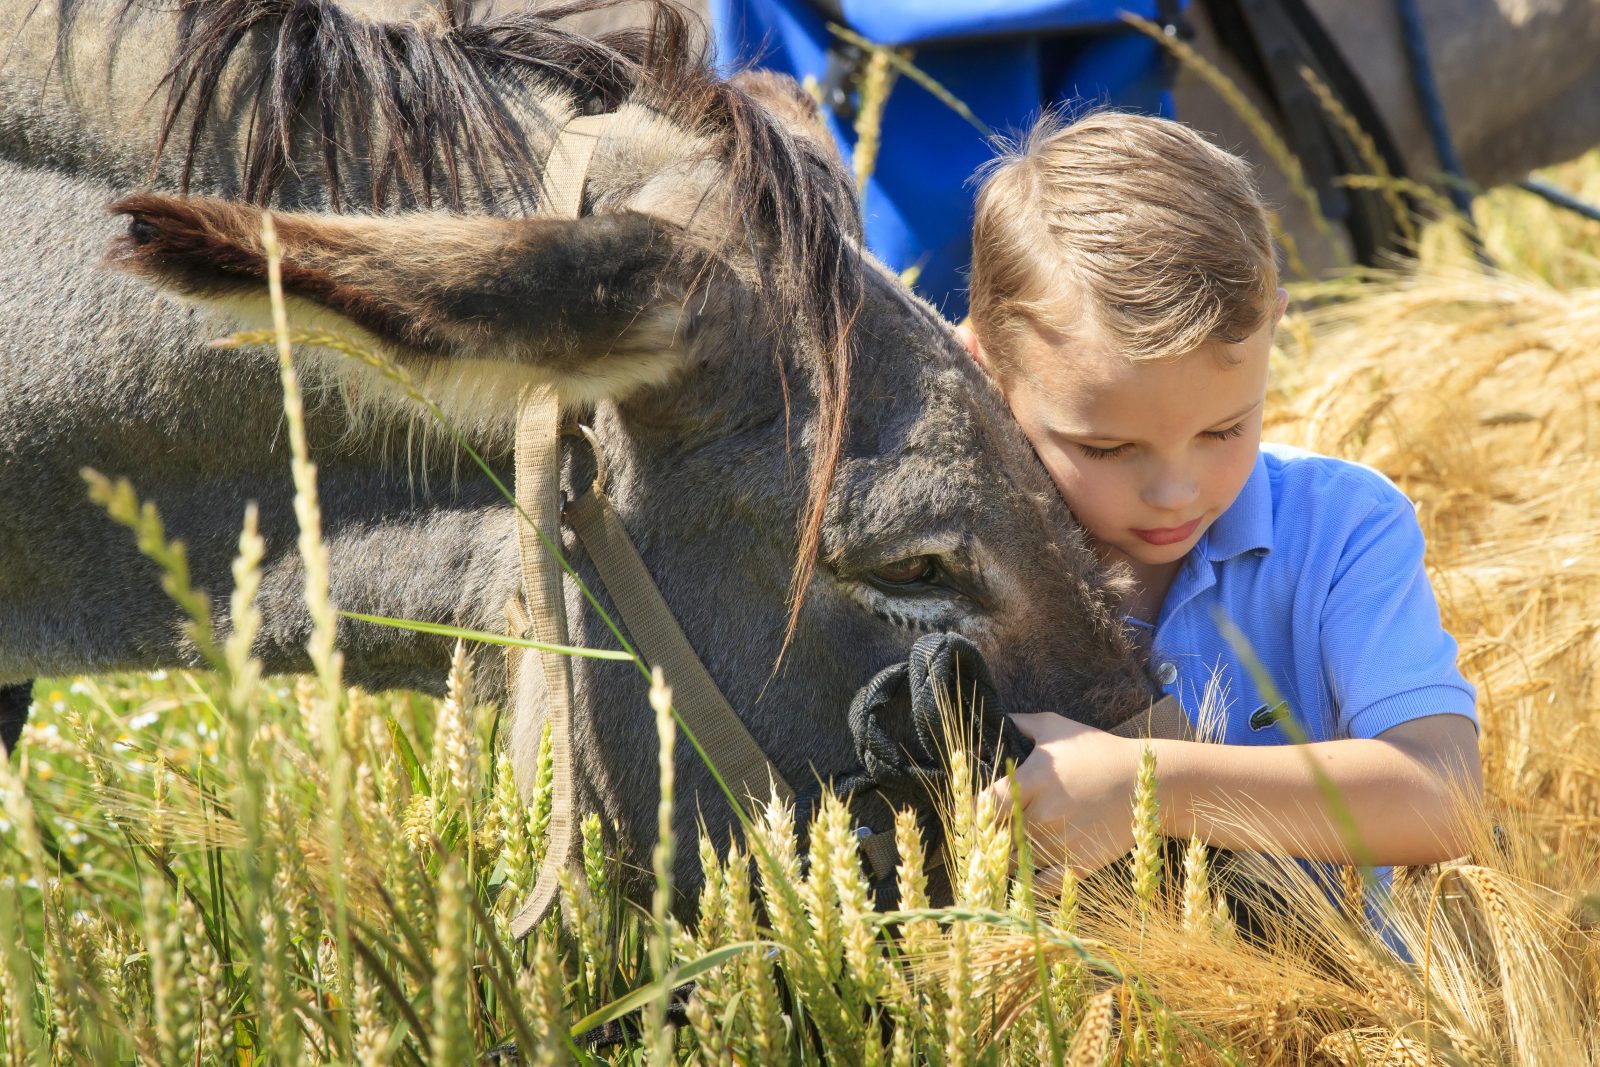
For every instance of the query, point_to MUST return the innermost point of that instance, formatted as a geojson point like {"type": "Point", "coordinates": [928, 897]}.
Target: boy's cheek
{"type": "Point", "coordinates": [1078, 488]}
{"type": "Point", "coordinates": [1060, 468]}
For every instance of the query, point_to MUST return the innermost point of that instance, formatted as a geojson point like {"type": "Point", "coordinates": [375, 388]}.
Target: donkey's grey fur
{"type": "Point", "coordinates": [709, 455]}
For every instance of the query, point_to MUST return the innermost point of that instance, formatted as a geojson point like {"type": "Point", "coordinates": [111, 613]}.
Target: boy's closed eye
{"type": "Point", "coordinates": [1113, 451]}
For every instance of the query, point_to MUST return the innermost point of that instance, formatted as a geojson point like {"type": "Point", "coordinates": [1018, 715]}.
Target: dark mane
{"type": "Point", "coordinates": [418, 105]}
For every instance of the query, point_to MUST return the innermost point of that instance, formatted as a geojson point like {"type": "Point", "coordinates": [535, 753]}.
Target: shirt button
{"type": "Point", "coordinates": [1166, 673]}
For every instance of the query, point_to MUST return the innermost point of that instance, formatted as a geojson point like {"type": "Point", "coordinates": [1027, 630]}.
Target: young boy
{"type": "Point", "coordinates": [1124, 297]}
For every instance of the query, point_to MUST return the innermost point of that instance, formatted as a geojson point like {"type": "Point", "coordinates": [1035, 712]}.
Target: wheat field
{"type": "Point", "coordinates": [210, 868]}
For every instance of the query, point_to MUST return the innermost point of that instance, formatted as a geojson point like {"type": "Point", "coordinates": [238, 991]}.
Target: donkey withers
{"type": "Point", "coordinates": [755, 383]}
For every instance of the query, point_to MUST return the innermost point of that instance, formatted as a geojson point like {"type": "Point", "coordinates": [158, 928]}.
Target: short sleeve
{"type": "Point", "coordinates": [1386, 655]}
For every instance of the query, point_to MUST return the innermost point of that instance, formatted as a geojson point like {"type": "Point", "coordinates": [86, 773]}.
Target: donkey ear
{"type": "Point", "coordinates": [593, 305]}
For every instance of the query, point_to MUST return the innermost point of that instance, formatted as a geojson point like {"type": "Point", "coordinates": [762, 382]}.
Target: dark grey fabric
{"type": "Point", "coordinates": [14, 702]}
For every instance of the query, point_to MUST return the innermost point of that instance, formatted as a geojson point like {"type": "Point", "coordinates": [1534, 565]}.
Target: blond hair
{"type": "Point", "coordinates": [1133, 230]}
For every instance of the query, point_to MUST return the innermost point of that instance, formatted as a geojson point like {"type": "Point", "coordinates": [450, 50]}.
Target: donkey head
{"type": "Point", "coordinates": [708, 415]}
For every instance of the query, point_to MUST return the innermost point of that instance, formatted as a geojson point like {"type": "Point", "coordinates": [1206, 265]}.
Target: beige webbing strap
{"type": "Point", "coordinates": [538, 492]}
{"type": "Point", "coordinates": [538, 467]}
{"type": "Point", "coordinates": [1165, 719]}
{"type": "Point", "coordinates": [565, 170]}
{"type": "Point", "coordinates": [655, 631]}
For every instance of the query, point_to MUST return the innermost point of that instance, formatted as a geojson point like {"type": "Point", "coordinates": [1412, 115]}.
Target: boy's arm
{"type": "Point", "coordinates": [1402, 790]}
{"type": "Point", "coordinates": [1075, 792]}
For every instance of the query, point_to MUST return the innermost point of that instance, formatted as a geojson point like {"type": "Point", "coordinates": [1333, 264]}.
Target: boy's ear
{"type": "Point", "coordinates": [969, 341]}
{"type": "Point", "coordinates": [594, 306]}
{"type": "Point", "coordinates": [1281, 305]}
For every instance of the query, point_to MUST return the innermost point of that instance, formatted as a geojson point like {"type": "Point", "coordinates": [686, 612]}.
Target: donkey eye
{"type": "Point", "coordinates": [913, 570]}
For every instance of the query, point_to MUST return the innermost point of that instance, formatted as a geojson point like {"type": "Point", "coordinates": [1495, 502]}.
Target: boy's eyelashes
{"type": "Point", "coordinates": [1102, 453]}
{"type": "Point", "coordinates": [1236, 430]}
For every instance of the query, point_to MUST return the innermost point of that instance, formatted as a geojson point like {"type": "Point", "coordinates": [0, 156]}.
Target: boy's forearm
{"type": "Point", "coordinates": [1267, 798]}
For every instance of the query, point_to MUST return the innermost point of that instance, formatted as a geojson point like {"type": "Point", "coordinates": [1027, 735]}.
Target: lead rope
{"type": "Point", "coordinates": [538, 493]}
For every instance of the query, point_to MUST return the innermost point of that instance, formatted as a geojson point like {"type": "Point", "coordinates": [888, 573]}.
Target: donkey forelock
{"type": "Point", "coordinates": [420, 106]}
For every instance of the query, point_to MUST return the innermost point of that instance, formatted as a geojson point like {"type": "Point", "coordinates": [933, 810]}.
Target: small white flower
{"type": "Point", "coordinates": [143, 719]}
{"type": "Point", "coordinates": [79, 689]}
{"type": "Point", "coordinates": [158, 676]}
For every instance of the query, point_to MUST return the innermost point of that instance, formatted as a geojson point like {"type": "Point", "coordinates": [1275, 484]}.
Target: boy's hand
{"type": "Point", "coordinates": [1076, 793]}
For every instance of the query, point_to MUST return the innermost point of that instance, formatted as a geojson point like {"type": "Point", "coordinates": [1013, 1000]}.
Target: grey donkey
{"type": "Point", "coordinates": [813, 469]}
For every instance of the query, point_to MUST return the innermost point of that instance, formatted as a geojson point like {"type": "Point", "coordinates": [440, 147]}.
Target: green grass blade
{"type": "Point", "coordinates": [408, 757]}
{"type": "Point", "coordinates": [675, 977]}
{"type": "Point", "coordinates": [487, 638]}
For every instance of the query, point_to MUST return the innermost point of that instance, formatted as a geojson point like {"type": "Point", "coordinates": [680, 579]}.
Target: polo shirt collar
{"type": "Point", "coordinates": [1247, 524]}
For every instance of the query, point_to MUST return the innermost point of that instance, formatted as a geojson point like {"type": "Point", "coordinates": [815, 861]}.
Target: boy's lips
{"type": "Point", "coordinates": [1171, 535]}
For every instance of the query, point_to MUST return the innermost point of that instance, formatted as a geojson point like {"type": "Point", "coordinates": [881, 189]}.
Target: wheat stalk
{"type": "Point", "coordinates": [762, 1008]}
{"type": "Point", "coordinates": [1092, 1043]}
{"type": "Point", "coordinates": [372, 1033]}
{"type": "Point", "coordinates": [1146, 861]}
{"type": "Point", "coordinates": [214, 1025]}
{"type": "Point", "coordinates": [661, 861]}
{"type": "Point", "coordinates": [877, 79]}
{"type": "Point", "coordinates": [326, 660]}
{"type": "Point", "coordinates": [455, 759]}
{"type": "Point", "coordinates": [1197, 905]}
{"type": "Point", "coordinates": [451, 1036]}
{"type": "Point", "coordinates": [1366, 148]}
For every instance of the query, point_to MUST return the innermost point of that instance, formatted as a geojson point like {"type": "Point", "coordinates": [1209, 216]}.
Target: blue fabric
{"type": "Point", "coordinates": [918, 203]}
{"type": "Point", "coordinates": [914, 22]}
{"type": "Point", "coordinates": [1319, 564]}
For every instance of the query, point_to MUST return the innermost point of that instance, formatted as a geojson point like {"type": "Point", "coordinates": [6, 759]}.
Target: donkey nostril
{"type": "Point", "coordinates": [141, 231]}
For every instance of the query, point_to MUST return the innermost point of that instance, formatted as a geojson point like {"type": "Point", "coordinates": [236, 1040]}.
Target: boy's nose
{"type": "Point", "coordinates": [1172, 491]}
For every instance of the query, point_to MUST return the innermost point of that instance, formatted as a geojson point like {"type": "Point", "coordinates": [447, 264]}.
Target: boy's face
{"type": "Point", "coordinates": [1147, 455]}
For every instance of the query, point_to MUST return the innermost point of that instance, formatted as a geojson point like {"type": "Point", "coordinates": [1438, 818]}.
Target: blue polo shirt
{"type": "Point", "coordinates": [1319, 563]}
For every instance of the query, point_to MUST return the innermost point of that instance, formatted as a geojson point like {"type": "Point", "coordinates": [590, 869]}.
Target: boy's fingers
{"type": "Point", "coordinates": [1047, 880]}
